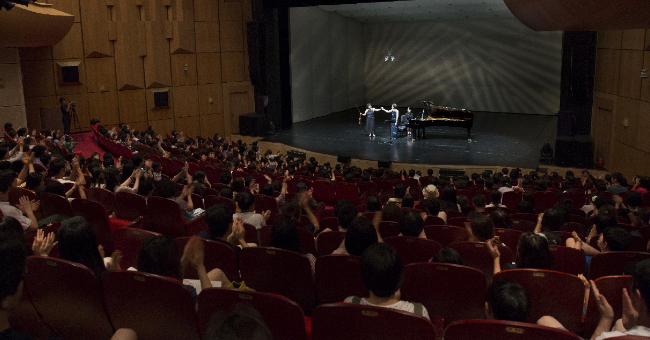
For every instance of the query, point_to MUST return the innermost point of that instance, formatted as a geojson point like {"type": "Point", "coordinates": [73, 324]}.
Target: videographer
{"type": "Point", "coordinates": [66, 108]}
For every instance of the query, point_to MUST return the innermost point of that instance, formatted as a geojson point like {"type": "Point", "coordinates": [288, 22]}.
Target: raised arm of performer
{"type": "Point", "coordinates": [395, 112]}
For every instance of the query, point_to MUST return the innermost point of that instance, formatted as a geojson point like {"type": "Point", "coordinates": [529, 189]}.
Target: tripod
{"type": "Point", "coordinates": [77, 126]}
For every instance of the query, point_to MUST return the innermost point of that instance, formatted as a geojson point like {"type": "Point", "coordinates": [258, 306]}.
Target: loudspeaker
{"type": "Point", "coordinates": [451, 172]}
{"type": "Point", "coordinates": [253, 124]}
{"type": "Point", "coordinates": [574, 151]}
{"type": "Point", "coordinates": [297, 154]}
{"type": "Point", "coordinates": [343, 159]}
{"type": "Point", "coordinates": [383, 164]}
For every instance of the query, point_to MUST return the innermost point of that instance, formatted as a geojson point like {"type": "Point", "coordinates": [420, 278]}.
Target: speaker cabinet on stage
{"type": "Point", "coordinates": [253, 124]}
{"type": "Point", "coordinates": [297, 154]}
{"type": "Point", "coordinates": [383, 164]}
{"type": "Point", "coordinates": [574, 151]}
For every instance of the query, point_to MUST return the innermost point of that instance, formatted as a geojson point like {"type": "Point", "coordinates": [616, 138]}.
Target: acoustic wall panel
{"type": "Point", "coordinates": [129, 66]}
{"type": "Point", "coordinates": [178, 64]}
{"type": "Point", "coordinates": [207, 92]}
{"type": "Point", "coordinates": [232, 67]}
{"type": "Point", "coordinates": [104, 106]}
{"type": "Point", "coordinates": [38, 78]}
{"type": "Point", "coordinates": [206, 10]}
{"type": "Point", "coordinates": [210, 66]}
{"type": "Point", "coordinates": [212, 124]}
{"type": "Point", "coordinates": [71, 46]}
{"type": "Point", "coordinates": [186, 101]}
{"type": "Point", "coordinates": [156, 63]}
{"type": "Point", "coordinates": [100, 74]}
{"type": "Point", "coordinates": [132, 105]}
{"type": "Point", "coordinates": [207, 36]}
{"type": "Point", "coordinates": [95, 15]}
{"type": "Point", "coordinates": [232, 36]}
{"type": "Point", "coordinates": [230, 10]}
{"type": "Point", "coordinates": [188, 125]}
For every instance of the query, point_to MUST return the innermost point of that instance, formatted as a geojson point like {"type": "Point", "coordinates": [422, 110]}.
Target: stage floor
{"type": "Point", "coordinates": [507, 139]}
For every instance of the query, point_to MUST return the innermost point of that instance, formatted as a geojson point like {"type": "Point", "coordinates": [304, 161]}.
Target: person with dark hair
{"type": "Point", "coordinates": [66, 108]}
{"type": "Point", "coordinates": [373, 204]}
{"type": "Point", "coordinates": [642, 184]}
{"type": "Point", "coordinates": [495, 199]}
{"type": "Point", "coordinates": [507, 300]}
{"type": "Point", "coordinates": [246, 202]}
{"type": "Point", "coordinates": [241, 323]}
{"type": "Point", "coordinates": [412, 224]}
{"type": "Point", "coordinates": [345, 213]}
{"type": "Point", "coordinates": [225, 177]}
{"type": "Point", "coordinates": [434, 208]}
{"type": "Point", "coordinates": [223, 228]}
{"type": "Point", "coordinates": [479, 206]}
{"type": "Point", "coordinates": [525, 207]}
{"type": "Point", "coordinates": [360, 235]}
{"type": "Point", "coordinates": [633, 199]}
{"type": "Point", "coordinates": [408, 201]}
{"type": "Point", "coordinates": [398, 194]}
{"type": "Point", "coordinates": [24, 213]}
{"type": "Point", "coordinates": [532, 252]}
{"type": "Point", "coordinates": [391, 212]}
{"type": "Point", "coordinates": [145, 189]}
{"type": "Point", "coordinates": [447, 255]}
{"type": "Point", "coordinates": [548, 222]}
{"type": "Point", "coordinates": [449, 201]}
{"type": "Point", "coordinates": [617, 184]}
{"type": "Point", "coordinates": [382, 272]}
{"type": "Point", "coordinates": [167, 189]}
{"type": "Point", "coordinates": [370, 120]}
{"type": "Point", "coordinates": [501, 219]}
{"type": "Point", "coordinates": [615, 239]}
{"type": "Point", "coordinates": [481, 229]}
{"type": "Point", "coordinates": [284, 235]}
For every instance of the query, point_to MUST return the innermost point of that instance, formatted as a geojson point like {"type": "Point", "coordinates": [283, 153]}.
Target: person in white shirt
{"type": "Point", "coordinates": [24, 213]}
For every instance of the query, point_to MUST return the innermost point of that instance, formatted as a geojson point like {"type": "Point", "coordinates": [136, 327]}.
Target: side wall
{"type": "Point", "coordinates": [621, 110]}
{"type": "Point", "coordinates": [12, 104]}
{"type": "Point", "coordinates": [128, 49]}
{"type": "Point", "coordinates": [327, 59]}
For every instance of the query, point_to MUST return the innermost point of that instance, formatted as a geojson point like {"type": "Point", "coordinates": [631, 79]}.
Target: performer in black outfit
{"type": "Point", "coordinates": [65, 115]}
{"type": "Point", "coordinates": [406, 118]}
{"type": "Point", "coordinates": [370, 121]}
{"type": "Point", "coordinates": [394, 119]}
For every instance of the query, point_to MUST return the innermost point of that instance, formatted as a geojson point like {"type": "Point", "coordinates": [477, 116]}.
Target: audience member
{"type": "Point", "coordinates": [507, 300]}
{"type": "Point", "coordinates": [447, 255]}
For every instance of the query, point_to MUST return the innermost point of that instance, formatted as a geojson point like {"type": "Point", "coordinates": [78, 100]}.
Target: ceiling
{"type": "Point", "coordinates": [420, 10]}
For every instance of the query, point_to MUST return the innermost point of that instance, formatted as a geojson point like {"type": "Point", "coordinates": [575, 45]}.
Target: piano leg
{"type": "Point", "coordinates": [469, 137]}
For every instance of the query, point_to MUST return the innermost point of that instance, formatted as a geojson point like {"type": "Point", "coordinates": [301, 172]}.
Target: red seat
{"type": "Point", "coordinates": [337, 277]}
{"type": "Point", "coordinates": [544, 199]}
{"type": "Point", "coordinates": [611, 287]}
{"type": "Point", "coordinates": [579, 228]}
{"type": "Point", "coordinates": [197, 201]}
{"type": "Point", "coordinates": [68, 297]}
{"type": "Point", "coordinates": [453, 213]}
{"type": "Point", "coordinates": [95, 215]}
{"type": "Point", "coordinates": [414, 188]}
{"type": "Point", "coordinates": [499, 330]}
{"type": "Point", "coordinates": [155, 307]}
{"type": "Point", "coordinates": [613, 263]}
{"type": "Point", "coordinates": [523, 226]}
{"type": "Point", "coordinates": [446, 234]}
{"type": "Point", "coordinates": [328, 242]}
{"type": "Point", "coordinates": [217, 255]}
{"type": "Point", "coordinates": [476, 255]}
{"type": "Point", "coordinates": [511, 199]}
{"type": "Point", "coordinates": [509, 237]}
{"type": "Point", "coordinates": [307, 241]}
{"type": "Point", "coordinates": [283, 317]}
{"type": "Point", "coordinates": [525, 217]}
{"type": "Point", "coordinates": [563, 304]}
{"type": "Point", "coordinates": [329, 222]}
{"type": "Point", "coordinates": [388, 229]}
{"type": "Point", "coordinates": [129, 241]}
{"type": "Point", "coordinates": [580, 219]}
{"type": "Point", "coordinates": [52, 204]}
{"type": "Point", "coordinates": [434, 220]}
{"type": "Point", "coordinates": [264, 203]}
{"type": "Point", "coordinates": [452, 291]}
{"type": "Point", "coordinates": [105, 197]}
{"type": "Point", "coordinates": [25, 318]}
{"type": "Point", "coordinates": [344, 321]}
{"type": "Point", "coordinates": [129, 206]}
{"type": "Point", "coordinates": [325, 192]}
{"type": "Point", "coordinates": [568, 260]}
{"type": "Point", "coordinates": [253, 235]}
{"type": "Point", "coordinates": [164, 217]}
{"type": "Point", "coordinates": [347, 191]}
{"type": "Point", "coordinates": [326, 213]}
{"type": "Point", "coordinates": [577, 197]}
{"type": "Point", "coordinates": [213, 200]}
{"type": "Point", "coordinates": [459, 221]}
{"type": "Point", "coordinates": [368, 188]}
{"type": "Point", "coordinates": [414, 249]}
{"type": "Point", "coordinates": [17, 192]}
{"type": "Point", "coordinates": [280, 272]}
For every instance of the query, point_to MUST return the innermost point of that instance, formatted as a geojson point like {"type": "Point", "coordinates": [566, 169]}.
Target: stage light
{"type": "Point", "coordinates": [389, 56]}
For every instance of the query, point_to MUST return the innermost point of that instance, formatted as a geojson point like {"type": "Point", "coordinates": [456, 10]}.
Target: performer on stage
{"type": "Point", "coordinates": [406, 118]}
{"type": "Point", "coordinates": [370, 121]}
{"type": "Point", "coordinates": [394, 118]}
{"type": "Point", "coordinates": [65, 115]}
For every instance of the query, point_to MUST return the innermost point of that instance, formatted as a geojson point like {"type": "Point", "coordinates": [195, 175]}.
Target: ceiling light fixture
{"type": "Point", "coordinates": [389, 56]}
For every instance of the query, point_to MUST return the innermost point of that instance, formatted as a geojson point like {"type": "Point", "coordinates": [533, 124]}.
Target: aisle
{"type": "Point", "coordinates": [88, 146]}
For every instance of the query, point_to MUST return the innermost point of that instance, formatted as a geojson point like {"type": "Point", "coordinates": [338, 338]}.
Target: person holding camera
{"type": "Point", "coordinates": [66, 108]}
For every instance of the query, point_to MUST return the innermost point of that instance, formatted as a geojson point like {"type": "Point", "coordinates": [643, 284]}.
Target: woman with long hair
{"type": "Point", "coordinates": [370, 120]}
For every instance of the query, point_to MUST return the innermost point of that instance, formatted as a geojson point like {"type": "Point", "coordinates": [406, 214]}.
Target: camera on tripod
{"type": "Point", "coordinates": [73, 104]}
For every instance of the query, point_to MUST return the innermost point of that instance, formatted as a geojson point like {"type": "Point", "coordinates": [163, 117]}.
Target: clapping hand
{"type": "Point", "coordinates": [606, 311]}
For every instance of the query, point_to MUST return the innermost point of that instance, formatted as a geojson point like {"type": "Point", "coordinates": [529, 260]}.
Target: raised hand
{"type": "Point", "coordinates": [25, 205]}
{"type": "Point", "coordinates": [114, 263]}
{"type": "Point", "coordinates": [630, 316]}
{"type": "Point", "coordinates": [493, 249]}
{"type": "Point", "coordinates": [606, 311]}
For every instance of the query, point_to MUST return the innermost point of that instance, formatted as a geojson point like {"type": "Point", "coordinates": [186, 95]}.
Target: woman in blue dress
{"type": "Point", "coordinates": [394, 118]}
{"type": "Point", "coordinates": [370, 121]}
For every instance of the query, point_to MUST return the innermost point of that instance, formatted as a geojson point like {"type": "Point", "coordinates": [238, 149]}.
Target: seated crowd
{"type": "Point", "coordinates": [614, 217]}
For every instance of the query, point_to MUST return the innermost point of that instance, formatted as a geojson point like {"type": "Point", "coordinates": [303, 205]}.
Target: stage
{"type": "Point", "coordinates": [507, 139]}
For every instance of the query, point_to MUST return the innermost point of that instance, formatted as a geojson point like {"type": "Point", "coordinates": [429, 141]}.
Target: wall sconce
{"type": "Point", "coordinates": [210, 100]}
{"type": "Point", "coordinates": [185, 69]}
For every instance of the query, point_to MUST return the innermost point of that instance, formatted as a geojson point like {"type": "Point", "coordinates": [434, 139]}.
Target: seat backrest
{"type": "Point", "coordinates": [52, 204]}
{"type": "Point", "coordinates": [329, 222]}
{"type": "Point", "coordinates": [164, 217]}
{"type": "Point", "coordinates": [498, 330]}
{"type": "Point", "coordinates": [129, 241]}
{"type": "Point", "coordinates": [388, 229]}
{"type": "Point", "coordinates": [95, 215]}
{"type": "Point", "coordinates": [333, 322]}
{"type": "Point", "coordinates": [324, 191]}
{"type": "Point", "coordinates": [252, 234]}
{"type": "Point", "coordinates": [476, 255]}
{"type": "Point", "coordinates": [155, 307]}
{"type": "Point", "coordinates": [210, 200]}
{"type": "Point", "coordinates": [545, 200]}
{"type": "Point", "coordinates": [280, 272]}
{"type": "Point", "coordinates": [525, 217]}
{"type": "Point", "coordinates": [446, 234]}
{"type": "Point", "coordinates": [579, 228]}
{"type": "Point", "coordinates": [509, 237]}
{"type": "Point", "coordinates": [414, 249]}
{"type": "Point", "coordinates": [434, 220]}
{"type": "Point", "coordinates": [523, 226]}
{"type": "Point", "coordinates": [105, 197]}
{"type": "Point", "coordinates": [283, 317]}
{"type": "Point", "coordinates": [328, 242]}
{"type": "Point", "coordinates": [563, 304]}
{"type": "Point", "coordinates": [68, 297]}
{"type": "Point", "coordinates": [611, 287]}
{"type": "Point", "coordinates": [17, 192]}
{"type": "Point", "coordinates": [577, 197]}
{"type": "Point", "coordinates": [452, 291]}
{"type": "Point", "coordinates": [307, 241]}
{"type": "Point", "coordinates": [337, 277]}
{"type": "Point", "coordinates": [217, 255]}
{"type": "Point", "coordinates": [613, 263]}
{"type": "Point", "coordinates": [129, 206]}
{"type": "Point", "coordinates": [568, 260]}
{"type": "Point", "coordinates": [264, 203]}
{"type": "Point", "coordinates": [459, 221]}
{"type": "Point", "coordinates": [347, 191]}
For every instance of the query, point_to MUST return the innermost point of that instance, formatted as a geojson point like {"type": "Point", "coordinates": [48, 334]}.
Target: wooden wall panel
{"type": "Point", "coordinates": [245, 32]}
{"type": "Point", "coordinates": [206, 10]}
{"type": "Point", "coordinates": [82, 111]}
{"type": "Point", "coordinates": [155, 10]}
{"type": "Point", "coordinates": [163, 126]}
{"type": "Point", "coordinates": [183, 40]}
{"type": "Point", "coordinates": [610, 39]}
{"type": "Point", "coordinates": [32, 107]}
{"type": "Point", "coordinates": [633, 40]}
{"type": "Point", "coordinates": [183, 10]}
{"type": "Point", "coordinates": [70, 89]}
{"type": "Point", "coordinates": [232, 36]}
{"type": "Point", "coordinates": [238, 99]}
{"type": "Point", "coordinates": [210, 66]}
{"type": "Point", "coordinates": [230, 10]}
{"type": "Point", "coordinates": [647, 40]}
{"type": "Point", "coordinates": [100, 72]}
{"type": "Point", "coordinates": [207, 37]}
{"type": "Point", "coordinates": [642, 140]}
{"type": "Point", "coordinates": [247, 10]}
{"type": "Point", "coordinates": [137, 126]}
{"type": "Point", "coordinates": [103, 106]}
{"type": "Point", "coordinates": [132, 105]}
{"type": "Point", "coordinates": [38, 78]}
{"type": "Point", "coordinates": [11, 94]}
{"type": "Point", "coordinates": [607, 73]}
{"type": "Point", "coordinates": [212, 124]}
{"type": "Point", "coordinates": [71, 46]}
{"type": "Point", "coordinates": [645, 82]}
{"type": "Point", "coordinates": [127, 10]}
{"type": "Point", "coordinates": [35, 53]}
{"type": "Point", "coordinates": [178, 62]}
{"type": "Point", "coordinates": [16, 115]}
{"type": "Point", "coordinates": [232, 67]}
{"type": "Point", "coordinates": [67, 6]}
{"type": "Point", "coordinates": [188, 125]}
{"type": "Point", "coordinates": [630, 77]}
{"type": "Point", "coordinates": [95, 17]}
{"type": "Point", "coordinates": [630, 161]}
{"type": "Point", "coordinates": [156, 63]}
{"type": "Point", "coordinates": [129, 65]}
{"type": "Point", "coordinates": [186, 101]}
{"type": "Point", "coordinates": [207, 91]}
{"type": "Point", "coordinates": [627, 109]}
{"type": "Point", "coordinates": [160, 114]}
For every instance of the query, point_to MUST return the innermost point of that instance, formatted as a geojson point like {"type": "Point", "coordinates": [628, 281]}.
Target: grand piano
{"type": "Point", "coordinates": [434, 115]}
